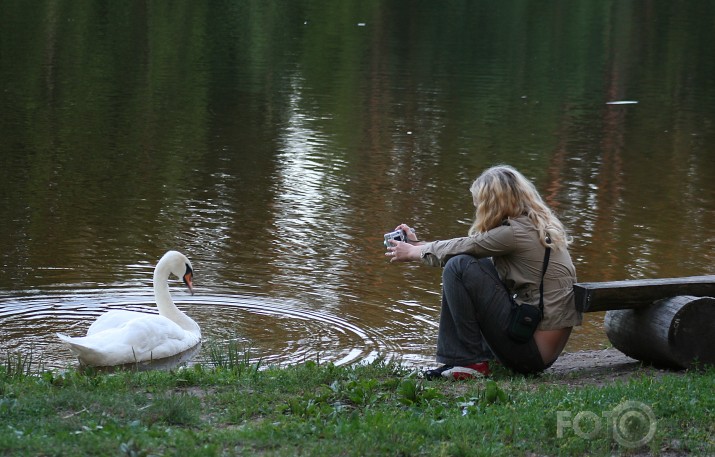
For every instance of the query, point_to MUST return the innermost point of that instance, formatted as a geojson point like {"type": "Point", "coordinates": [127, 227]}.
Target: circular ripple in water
{"type": "Point", "coordinates": [271, 332]}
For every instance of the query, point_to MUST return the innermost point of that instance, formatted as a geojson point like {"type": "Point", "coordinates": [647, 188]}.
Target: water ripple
{"type": "Point", "coordinates": [274, 332]}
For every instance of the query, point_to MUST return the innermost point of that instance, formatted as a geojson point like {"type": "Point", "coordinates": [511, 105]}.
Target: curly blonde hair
{"type": "Point", "coordinates": [501, 193]}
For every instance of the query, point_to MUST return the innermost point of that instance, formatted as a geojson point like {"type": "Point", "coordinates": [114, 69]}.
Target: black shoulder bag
{"type": "Point", "coordinates": [523, 318]}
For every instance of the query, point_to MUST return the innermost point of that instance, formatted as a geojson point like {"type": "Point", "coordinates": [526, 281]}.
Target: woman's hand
{"type": "Point", "coordinates": [401, 251]}
{"type": "Point", "coordinates": [411, 235]}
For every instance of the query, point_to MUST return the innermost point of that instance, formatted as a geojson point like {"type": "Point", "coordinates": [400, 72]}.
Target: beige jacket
{"type": "Point", "coordinates": [518, 256]}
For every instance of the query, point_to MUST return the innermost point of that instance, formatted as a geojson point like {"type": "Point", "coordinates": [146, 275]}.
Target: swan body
{"type": "Point", "coordinates": [120, 337]}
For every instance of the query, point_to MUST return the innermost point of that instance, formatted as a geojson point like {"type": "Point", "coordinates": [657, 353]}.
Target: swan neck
{"type": "Point", "coordinates": [165, 303]}
{"type": "Point", "coordinates": [162, 295]}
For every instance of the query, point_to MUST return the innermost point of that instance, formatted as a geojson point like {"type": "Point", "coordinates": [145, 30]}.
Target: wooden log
{"type": "Point", "coordinates": [638, 293]}
{"type": "Point", "coordinates": [676, 332]}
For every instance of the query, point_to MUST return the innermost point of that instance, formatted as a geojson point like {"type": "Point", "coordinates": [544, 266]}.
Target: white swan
{"type": "Point", "coordinates": [120, 337]}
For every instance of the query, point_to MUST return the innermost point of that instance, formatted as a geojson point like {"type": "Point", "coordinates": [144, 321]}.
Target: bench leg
{"type": "Point", "coordinates": [676, 332]}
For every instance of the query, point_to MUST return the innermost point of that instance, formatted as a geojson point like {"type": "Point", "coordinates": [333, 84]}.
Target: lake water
{"type": "Point", "coordinates": [275, 142]}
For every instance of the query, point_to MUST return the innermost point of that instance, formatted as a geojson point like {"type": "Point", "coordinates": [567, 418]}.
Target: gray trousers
{"type": "Point", "coordinates": [475, 316]}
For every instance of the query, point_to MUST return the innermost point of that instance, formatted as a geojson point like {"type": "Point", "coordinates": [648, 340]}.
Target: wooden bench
{"type": "Point", "coordinates": [665, 322]}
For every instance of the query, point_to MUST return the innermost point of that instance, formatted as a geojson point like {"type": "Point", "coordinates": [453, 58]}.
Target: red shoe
{"type": "Point", "coordinates": [475, 370]}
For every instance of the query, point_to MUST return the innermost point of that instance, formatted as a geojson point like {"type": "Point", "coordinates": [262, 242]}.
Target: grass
{"type": "Point", "coordinates": [19, 365]}
{"type": "Point", "coordinates": [320, 409]}
{"type": "Point", "coordinates": [231, 355]}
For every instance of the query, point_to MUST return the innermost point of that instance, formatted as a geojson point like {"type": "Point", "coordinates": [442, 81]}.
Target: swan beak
{"type": "Point", "coordinates": [189, 280]}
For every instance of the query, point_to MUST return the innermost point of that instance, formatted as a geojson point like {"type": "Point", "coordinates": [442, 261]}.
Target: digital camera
{"type": "Point", "coordinates": [397, 235]}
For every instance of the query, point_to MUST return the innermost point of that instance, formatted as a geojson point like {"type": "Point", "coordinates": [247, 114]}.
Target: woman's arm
{"type": "Point", "coordinates": [495, 242]}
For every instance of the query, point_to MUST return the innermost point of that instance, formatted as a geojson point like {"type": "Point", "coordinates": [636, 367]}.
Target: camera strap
{"type": "Point", "coordinates": [547, 253]}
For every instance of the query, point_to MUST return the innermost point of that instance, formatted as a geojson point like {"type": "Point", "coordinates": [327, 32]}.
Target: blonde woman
{"type": "Point", "coordinates": [502, 257]}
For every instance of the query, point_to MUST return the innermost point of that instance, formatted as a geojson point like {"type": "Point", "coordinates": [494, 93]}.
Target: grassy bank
{"type": "Point", "coordinates": [321, 409]}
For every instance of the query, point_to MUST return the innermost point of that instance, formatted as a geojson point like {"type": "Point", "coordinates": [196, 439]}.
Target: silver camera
{"type": "Point", "coordinates": [397, 235]}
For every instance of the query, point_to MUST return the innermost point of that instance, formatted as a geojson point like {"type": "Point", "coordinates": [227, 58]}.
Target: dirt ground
{"type": "Point", "coordinates": [598, 367]}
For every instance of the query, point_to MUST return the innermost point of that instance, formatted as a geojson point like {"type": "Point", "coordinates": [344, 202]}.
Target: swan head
{"type": "Point", "coordinates": [180, 266]}
{"type": "Point", "coordinates": [188, 278]}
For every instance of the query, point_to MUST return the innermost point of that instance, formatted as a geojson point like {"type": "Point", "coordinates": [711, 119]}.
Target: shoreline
{"type": "Point", "coordinates": [599, 367]}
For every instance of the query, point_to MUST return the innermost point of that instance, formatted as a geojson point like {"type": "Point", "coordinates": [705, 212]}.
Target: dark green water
{"type": "Point", "coordinates": [275, 142]}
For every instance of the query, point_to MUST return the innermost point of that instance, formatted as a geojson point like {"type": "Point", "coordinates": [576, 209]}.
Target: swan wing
{"type": "Point", "coordinates": [155, 337]}
{"type": "Point", "coordinates": [113, 319]}
{"type": "Point", "coordinates": [137, 338]}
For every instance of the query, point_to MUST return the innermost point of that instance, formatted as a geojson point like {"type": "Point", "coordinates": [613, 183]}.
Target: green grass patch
{"type": "Point", "coordinates": [381, 408]}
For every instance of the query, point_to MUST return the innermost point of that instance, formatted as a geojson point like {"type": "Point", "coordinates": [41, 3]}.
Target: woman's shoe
{"type": "Point", "coordinates": [475, 370]}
